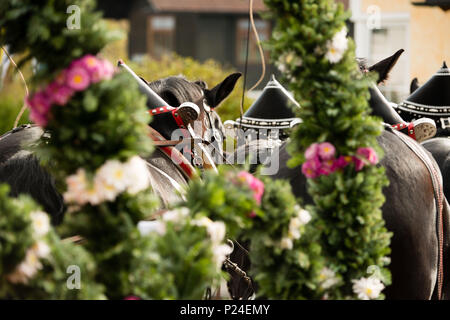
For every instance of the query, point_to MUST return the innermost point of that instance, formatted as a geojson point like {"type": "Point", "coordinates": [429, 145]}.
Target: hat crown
{"type": "Point", "coordinates": [435, 92]}
{"type": "Point", "coordinates": [274, 103]}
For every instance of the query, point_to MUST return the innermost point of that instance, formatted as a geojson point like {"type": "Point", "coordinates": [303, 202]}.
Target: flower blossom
{"type": "Point", "coordinates": [367, 288]}
{"type": "Point", "coordinates": [337, 46]}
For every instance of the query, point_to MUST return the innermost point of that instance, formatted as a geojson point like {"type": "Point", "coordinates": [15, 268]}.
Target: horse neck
{"type": "Point", "coordinates": [382, 108]}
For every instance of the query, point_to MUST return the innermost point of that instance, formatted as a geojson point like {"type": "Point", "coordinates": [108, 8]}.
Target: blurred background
{"type": "Point", "coordinates": [207, 40]}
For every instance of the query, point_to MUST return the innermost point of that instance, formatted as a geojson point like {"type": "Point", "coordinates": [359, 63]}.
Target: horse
{"type": "Point", "coordinates": [409, 210]}
{"type": "Point", "coordinates": [23, 172]}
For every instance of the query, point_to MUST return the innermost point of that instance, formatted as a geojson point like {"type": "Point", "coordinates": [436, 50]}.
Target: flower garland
{"type": "Point", "coordinates": [184, 257]}
{"type": "Point", "coordinates": [231, 196]}
{"type": "Point", "coordinates": [286, 259]}
{"type": "Point", "coordinates": [111, 179]}
{"type": "Point", "coordinates": [77, 77]}
{"type": "Point", "coordinates": [321, 160]}
{"type": "Point", "coordinates": [179, 217]}
{"type": "Point", "coordinates": [33, 260]}
{"type": "Point", "coordinates": [335, 145]}
{"type": "Point", "coordinates": [39, 250]}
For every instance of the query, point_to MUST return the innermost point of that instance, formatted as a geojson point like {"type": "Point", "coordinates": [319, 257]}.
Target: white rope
{"type": "Point", "coordinates": [260, 49]}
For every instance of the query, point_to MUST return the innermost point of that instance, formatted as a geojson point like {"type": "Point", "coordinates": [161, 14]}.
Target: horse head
{"type": "Point", "coordinates": [201, 117]}
{"type": "Point", "coordinates": [380, 106]}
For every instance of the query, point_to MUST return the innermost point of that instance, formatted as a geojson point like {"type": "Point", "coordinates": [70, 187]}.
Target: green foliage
{"type": "Point", "coordinates": [17, 237]}
{"type": "Point", "coordinates": [209, 71]}
{"type": "Point", "coordinates": [39, 28]}
{"type": "Point", "coordinates": [107, 121]}
{"type": "Point", "coordinates": [177, 265]}
{"type": "Point", "coordinates": [284, 273]}
{"type": "Point", "coordinates": [9, 109]}
{"type": "Point", "coordinates": [223, 197]}
{"type": "Point", "coordinates": [333, 96]}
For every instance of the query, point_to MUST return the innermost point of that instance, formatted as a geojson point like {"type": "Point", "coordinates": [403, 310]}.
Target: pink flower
{"type": "Point", "coordinates": [359, 164]}
{"type": "Point", "coordinates": [369, 154]}
{"type": "Point", "coordinates": [326, 168]}
{"type": "Point", "coordinates": [311, 168]}
{"type": "Point", "coordinates": [254, 184]}
{"type": "Point", "coordinates": [326, 151]}
{"type": "Point", "coordinates": [312, 151]}
{"type": "Point", "coordinates": [341, 162]}
{"type": "Point", "coordinates": [38, 118]}
{"type": "Point", "coordinates": [132, 298]}
{"type": "Point", "coordinates": [77, 78]}
{"type": "Point", "coordinates": [40, 102]}
{"type": "Point", "coordinates": [92, 65]}
{"type": "Point", "coordinates": [88, 62]}
{"type": "Point", "coordinates": [61, 77]}
{"type": "Point", "coordinates": [108, 69]}
{"type": "Point", "coordinates": [59, 94]}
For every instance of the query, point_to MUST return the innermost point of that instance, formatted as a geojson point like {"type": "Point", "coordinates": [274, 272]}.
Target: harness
{"type": "Point", "coordinates": [436, 179]}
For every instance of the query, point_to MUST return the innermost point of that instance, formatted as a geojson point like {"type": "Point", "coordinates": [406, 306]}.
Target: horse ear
{"type": "Point", "coordinates": [414, 85]}
{"type": "Point", "coordinates": [217, 94]}
{"type": "Point", "coordinates": [385, 66]}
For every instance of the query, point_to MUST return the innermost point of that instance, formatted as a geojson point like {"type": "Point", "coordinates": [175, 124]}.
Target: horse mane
{"type": "Point", "coordinates": [21, 170]}
{"type": "Point", "coordinates": [13, 141]}
{"type": "Point", "coordinates": [363, 64]}
{"type": "Point", "coordinates": [177, 89]}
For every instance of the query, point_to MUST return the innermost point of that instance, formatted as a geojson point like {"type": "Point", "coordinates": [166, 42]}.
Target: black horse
{"type": "Point", "coordinates": [23, 172]}
{"type": "Point", "coordinates": [410, 210]}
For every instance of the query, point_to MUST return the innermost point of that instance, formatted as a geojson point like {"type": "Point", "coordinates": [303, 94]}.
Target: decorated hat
{"type": "Point", "coordinates": [431, 100]}
{"type": "Point", "coordinates": [273, 109]}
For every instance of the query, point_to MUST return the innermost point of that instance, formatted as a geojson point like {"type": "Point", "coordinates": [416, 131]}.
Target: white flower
{"type": "Point", "coordinates": [112, 172]}
{"type": "Point", "coordinates": [26, 269]}
{"type": "Point", "coordinates": [216, 231]}
{"type": "Point", "coordinates": [94, 194]}
{"type": "Point", "coordinates": [304, 216]}
{"type": "Point", "coordinates": [220, 253]}
{"type": "Point", "coordinates": [202, 222]}
{"type": "Point", "coordinates": [76, 186]}
{"type": "Point", "coordinates": [282, 67]}
{"type": "Point", "coordinates": [367, 288]}
{"type": "Point", "coordinates": [101, 191]}
{"type": "Point", "coordinates": [327, 278]}
{"type": "Point", "coordinates": [286, 243]}
{"type": "Point", "coordinates": [147, 227]}
{"type": "Point", "coordinates": [176, 215]}
{"type": "Point", "coordinates": [137, 175]}
{"type": "Point", "coordinates": [294, 228]}
{"type": "Point", "coordinates": [337, 46]}
{"type": "Point", "coordinates": [40, 223]}
{"type": "Point", "coordinates": [41, 249]}
{"type": "Point", "coordinates": [289, 59]}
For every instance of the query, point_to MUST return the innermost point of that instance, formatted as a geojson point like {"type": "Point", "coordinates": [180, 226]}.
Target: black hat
{"type": "Point", "coordinates": [273, 109]}
{"type": "Point", "coordinates": [431, 100]}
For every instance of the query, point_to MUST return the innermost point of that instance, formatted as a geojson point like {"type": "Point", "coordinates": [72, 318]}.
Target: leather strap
{"type": "Point", "coordinates": [406, 126]}
{"type": "Point", "coordinates": [178, 158]}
